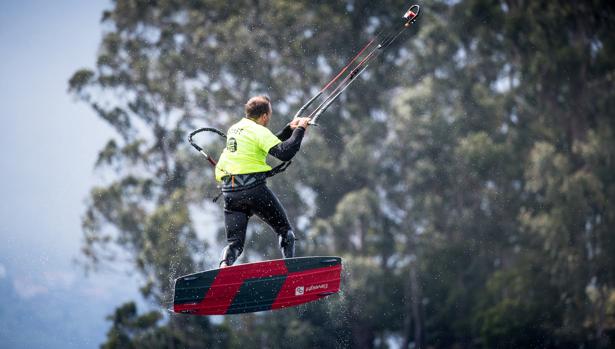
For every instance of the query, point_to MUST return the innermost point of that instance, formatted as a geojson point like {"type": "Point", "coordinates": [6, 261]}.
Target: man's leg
{"type": "Point", "coordinates": [236, 223]}
{"type": "Point", "coordinates": [268, 208]}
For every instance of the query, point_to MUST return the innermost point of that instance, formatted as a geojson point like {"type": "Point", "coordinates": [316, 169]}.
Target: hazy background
{"type": "Point", "coordinates": [466, 178]}
{"type": "Point", "coordinates": [48, 146]}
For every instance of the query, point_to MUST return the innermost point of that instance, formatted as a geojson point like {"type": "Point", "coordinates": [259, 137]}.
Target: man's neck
{"type": "Point", "coordinates": [257, 120]}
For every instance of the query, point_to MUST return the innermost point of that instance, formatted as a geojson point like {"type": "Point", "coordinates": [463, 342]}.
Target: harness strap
{"type": "Point", "coordinates": [279, 169]}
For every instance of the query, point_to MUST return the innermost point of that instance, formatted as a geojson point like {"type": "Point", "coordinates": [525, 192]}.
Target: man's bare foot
{"type": "Point", "coordinates": [223, 265]}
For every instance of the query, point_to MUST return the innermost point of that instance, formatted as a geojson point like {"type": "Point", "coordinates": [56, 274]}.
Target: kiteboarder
{"type": "Point", "coordinates": [242, 171]}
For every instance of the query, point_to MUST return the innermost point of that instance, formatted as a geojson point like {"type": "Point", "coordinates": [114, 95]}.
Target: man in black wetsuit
{"type": "Point", "coordinates": [242, 170]}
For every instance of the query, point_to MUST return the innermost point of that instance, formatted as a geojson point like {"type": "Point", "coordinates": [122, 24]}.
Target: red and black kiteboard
{"type": "Point", "coordinates": [259, 286]}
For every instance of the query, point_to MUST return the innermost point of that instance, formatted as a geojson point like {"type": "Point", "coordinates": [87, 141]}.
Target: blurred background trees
{"type": "Point", "coordinates": [467, 179]}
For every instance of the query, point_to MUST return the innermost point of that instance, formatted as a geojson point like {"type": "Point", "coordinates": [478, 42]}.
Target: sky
{"type": "Point", "coordinates": [48, 147]}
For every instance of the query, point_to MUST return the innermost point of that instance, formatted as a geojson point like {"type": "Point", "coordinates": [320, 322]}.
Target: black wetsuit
{"type": "Point", "coordinates": [246, 195]}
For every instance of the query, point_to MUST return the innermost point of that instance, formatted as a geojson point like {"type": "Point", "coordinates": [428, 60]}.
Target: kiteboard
{"type": "Point", "coordinates": [260, 286]}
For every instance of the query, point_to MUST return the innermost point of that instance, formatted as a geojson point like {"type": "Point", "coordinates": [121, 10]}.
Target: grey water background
{"type": "Point", "coordinates": [48, 146]}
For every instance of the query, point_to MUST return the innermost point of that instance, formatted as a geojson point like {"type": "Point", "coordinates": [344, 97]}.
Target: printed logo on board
{"type": "Point", "coordinates": [299, 291]}
{"type": "Point", "coordinates": [316, 287]}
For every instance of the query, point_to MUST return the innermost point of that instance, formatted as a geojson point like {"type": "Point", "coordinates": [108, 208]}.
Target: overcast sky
{"type": "Point", "coordinates": [48, 145]}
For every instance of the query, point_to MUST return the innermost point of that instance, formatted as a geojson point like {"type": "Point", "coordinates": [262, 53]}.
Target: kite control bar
{"type": "Point", "coordinates": [198, 148]}
{"type": "Point", "coordinates": [409, 17]}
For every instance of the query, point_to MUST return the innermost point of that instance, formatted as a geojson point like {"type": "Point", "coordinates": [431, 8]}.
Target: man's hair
{"type": "Point", "coordinates": [257, 106]}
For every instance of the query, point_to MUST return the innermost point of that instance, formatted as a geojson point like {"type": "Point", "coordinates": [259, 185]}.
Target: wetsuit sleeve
{"type": "Point", "coordinates": [285, 133]}
{"type": "Point", "coordinates": [287, 149]}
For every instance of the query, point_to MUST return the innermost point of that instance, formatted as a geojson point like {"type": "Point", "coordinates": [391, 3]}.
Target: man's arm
{"type": "Point", "coordinates": [285, 133]}
{"type": "Point", "coordinates": [289, 147]}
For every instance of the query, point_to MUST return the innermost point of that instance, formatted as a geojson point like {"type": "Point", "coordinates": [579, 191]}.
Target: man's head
{"type": "Point", "coordinates": [259, 110]}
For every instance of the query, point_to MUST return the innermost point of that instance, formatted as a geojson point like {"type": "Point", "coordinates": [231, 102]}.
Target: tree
{"type": "Point", "coordinates": [466, 180]}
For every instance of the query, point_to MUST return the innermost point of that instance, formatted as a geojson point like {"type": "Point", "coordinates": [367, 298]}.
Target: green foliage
{"type": "Point", "coordinates": [518, 310]}
{"type": "Point", "coordinates": [131, 330]}
{"type": "Point", "coordinates": [468, 180]}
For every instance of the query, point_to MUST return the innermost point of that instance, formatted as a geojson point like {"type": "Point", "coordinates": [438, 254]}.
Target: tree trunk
{"type": "Point", "coordinates": [413, 310]}
{"type": "Point", "coordinates": [416, 306]}
{"type": "Point", "coordinates": [363, 336]}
